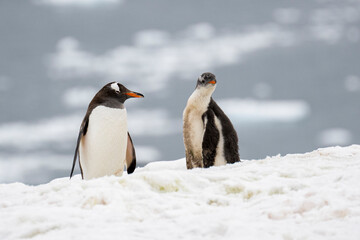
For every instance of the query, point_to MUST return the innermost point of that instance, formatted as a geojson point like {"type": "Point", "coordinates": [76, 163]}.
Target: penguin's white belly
{"type": "Point", "coordinates": [103, 148]}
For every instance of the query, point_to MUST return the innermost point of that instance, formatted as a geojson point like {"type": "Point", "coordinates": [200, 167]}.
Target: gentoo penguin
{"type": "Point", "coordinates": [209, 137]}
{"type": "Point", "coordinates": [104, 144]}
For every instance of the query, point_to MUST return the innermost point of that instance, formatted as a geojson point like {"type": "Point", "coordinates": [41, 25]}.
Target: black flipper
{"type": "Point", "coordinates": [211, 139]}
{"type": "Point", "coordinates": [130, 156]}
{"type": "Point", "coordinates": [82, 132]}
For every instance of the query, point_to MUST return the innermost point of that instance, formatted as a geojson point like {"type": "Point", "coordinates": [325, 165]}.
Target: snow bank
{"type": "Point", "coordinates": [301, 196]}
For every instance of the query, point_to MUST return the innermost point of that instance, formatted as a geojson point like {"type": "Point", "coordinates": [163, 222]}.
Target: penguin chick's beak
{"type": "Point", "coordinates": [134, 94]}
{"type": "Point", "coordinates": [213, 82]}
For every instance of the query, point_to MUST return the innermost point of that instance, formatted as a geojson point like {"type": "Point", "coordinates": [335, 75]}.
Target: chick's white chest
{"type": "Point", "coordinates": [197, 129]}
{"type": "Point", "coordinates": [194, 124]}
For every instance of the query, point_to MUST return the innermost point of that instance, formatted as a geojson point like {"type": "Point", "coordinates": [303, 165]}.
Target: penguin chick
{"type": "Point", "coordinates": [209, 136]}
{"type": "Point", "coordinates": [104, 144]}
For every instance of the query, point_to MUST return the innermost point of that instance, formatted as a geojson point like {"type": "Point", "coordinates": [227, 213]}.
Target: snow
{"type": "Point", "coordinates": [298, 196]}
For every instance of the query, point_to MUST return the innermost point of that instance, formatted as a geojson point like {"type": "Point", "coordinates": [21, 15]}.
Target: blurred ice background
{"type": "Point", "coordinates": [288, 74]}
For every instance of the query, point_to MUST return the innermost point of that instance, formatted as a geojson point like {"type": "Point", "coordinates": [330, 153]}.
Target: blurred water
{"type": "Point", "coordinates": [53, 58]}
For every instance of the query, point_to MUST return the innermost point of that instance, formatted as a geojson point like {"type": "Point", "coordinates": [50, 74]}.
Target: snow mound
{"type": "Point", "coordinates": [299, 196]}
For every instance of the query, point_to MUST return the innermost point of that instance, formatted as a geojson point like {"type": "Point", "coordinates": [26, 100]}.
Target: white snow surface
{"type": "Point", "coordinates": [299, 196]}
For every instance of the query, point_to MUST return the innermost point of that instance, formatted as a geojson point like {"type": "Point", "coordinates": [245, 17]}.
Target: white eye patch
{"type": "Point", "coordinates": [115, 86]}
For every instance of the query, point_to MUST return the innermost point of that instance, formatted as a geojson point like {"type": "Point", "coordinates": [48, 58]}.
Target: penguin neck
{"type": "Point", "coordinates": [201, 98]}
{"type": "Point", "coordinates": [113, 103]}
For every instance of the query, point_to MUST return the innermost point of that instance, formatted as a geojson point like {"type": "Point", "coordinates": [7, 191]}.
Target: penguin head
{"type": "Point", "coordinates": [207, 80]}
{"type": "Point", "coordinates": [121, 93]}
{"type": "Point", "coordinates": [115, 92]}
